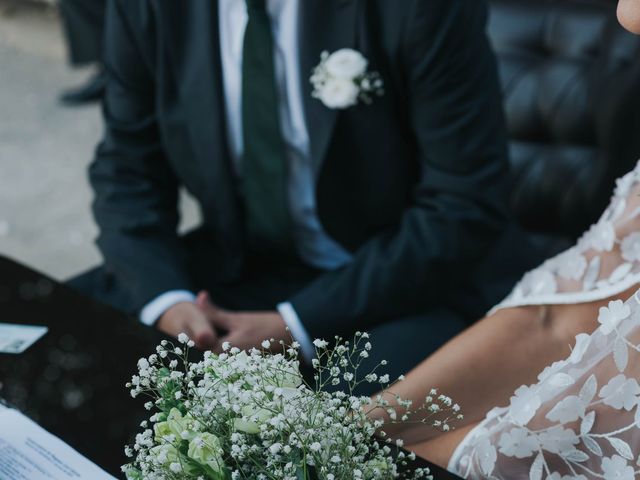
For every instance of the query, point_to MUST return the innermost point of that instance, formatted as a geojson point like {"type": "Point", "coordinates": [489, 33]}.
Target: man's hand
{"type": "Point", "coordinates": [187, 317]}
{"type": "Point", "coordinates": [244, 329]}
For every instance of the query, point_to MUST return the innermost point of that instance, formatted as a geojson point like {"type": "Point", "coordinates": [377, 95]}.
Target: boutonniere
{"type": "Point", "coordinates": [341, 79]}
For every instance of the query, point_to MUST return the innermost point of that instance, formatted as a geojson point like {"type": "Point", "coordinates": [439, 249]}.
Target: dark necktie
{"type": "Point", "coordinates": [264, 162]}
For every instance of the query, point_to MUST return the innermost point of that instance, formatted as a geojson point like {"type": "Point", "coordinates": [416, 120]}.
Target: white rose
{"type": "Point", "coordinates": [339, 93]}
{"type": "Point", "coordinates": [206, 450]}
{"type": "Point", "coordinates": [346, 64]}
{"type": "Point", "coordinates": [251, 420]}
{"type": "Point", "coordinates": [164, 454]}
{"type": "Point", "coordinates": [288, 378]}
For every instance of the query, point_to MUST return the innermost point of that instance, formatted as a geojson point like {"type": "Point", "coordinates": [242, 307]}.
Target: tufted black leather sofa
{"type": "Point", "coordinates": [571, 82]}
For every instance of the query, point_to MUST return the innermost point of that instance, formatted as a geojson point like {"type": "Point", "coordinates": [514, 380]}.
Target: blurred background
{"type": "Point", "coordinates": [45, 145]}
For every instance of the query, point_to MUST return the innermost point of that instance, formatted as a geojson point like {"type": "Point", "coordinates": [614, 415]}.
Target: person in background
{"type": "Point", "coordinates": [84, 25]}
{"type": "Point", "coordinates": [324, 212]}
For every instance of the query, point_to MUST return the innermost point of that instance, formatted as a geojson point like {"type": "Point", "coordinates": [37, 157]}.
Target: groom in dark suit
{"type": "Point", "coordinates": [323, 220]}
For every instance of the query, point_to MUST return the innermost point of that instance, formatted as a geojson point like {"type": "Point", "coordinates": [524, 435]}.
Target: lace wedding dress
{"type": "Point", "coordinates": [582, 419]}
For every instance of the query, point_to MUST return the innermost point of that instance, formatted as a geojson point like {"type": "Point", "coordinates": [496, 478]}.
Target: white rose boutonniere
{"type": "Point", "coordinates": [341, 79]}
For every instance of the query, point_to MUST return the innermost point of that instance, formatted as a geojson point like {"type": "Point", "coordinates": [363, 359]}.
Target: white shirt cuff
{"type": "Point", "coordinates": [298, 332]}
{"type": "Point", "coordinates": [156, 307]}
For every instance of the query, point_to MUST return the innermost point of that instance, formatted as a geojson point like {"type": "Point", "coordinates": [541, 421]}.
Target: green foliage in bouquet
{"type": "Point", "coordinates": [250, 415]}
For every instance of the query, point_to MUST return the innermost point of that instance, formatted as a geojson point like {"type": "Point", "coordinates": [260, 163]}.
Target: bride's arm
{"type": "Point", "coordinates": [480, 368]}
{"type": "Point", "coordinates": [440, 450]}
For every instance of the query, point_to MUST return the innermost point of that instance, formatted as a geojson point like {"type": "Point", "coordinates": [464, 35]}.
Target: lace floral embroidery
{"type": "Point", "coordinates": [584, 272]}
{"type": "Point", "coordinates": [581, 421]}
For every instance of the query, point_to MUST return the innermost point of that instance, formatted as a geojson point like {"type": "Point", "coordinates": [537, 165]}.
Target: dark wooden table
{"type": "Point", "coordinates": [72, 380]}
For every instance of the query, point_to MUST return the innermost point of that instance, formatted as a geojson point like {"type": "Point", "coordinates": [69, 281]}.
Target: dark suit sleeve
{"type": "Point", "coordinates": [135, 188]}
{"type": "Point", "coordinates": [458, 208]}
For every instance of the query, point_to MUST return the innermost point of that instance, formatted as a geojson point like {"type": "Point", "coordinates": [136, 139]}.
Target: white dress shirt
{"type": "Point", "coordinates": [314, 246]}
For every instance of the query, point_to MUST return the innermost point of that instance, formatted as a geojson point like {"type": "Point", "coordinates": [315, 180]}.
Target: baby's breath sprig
{"type": "Point", "coordinates": [251, 415]}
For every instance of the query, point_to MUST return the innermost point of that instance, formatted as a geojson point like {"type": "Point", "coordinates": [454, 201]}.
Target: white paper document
{"type": "Point", "coordinates": [17, 338]}
{"type": "Point", "coordinates": [28, 452]}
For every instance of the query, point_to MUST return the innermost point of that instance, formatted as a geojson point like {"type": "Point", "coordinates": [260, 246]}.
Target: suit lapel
{"type": "Point", "coordinates": [196, 59]}
{"type": "Point", "coordinates": [203, 90]}
{"type": "Point", "coordinates": [324, 25]}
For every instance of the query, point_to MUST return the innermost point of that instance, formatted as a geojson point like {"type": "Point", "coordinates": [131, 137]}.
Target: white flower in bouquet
{"type": "Point", "coordinates": [206, 449]}
{"type": "Point", "coordinates": [251, 415]}
{"type": "Point", "coordinates": [341, 79]}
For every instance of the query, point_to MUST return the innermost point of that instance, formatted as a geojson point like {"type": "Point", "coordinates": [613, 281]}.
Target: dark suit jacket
{"type": "Point", "coordinates": [413, 185]}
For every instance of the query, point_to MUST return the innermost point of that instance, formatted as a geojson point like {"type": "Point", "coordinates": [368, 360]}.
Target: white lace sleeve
{"type": "Point", "coordinates": [603, 263]}
{"type": "Point", "coordinates": [581, 421]}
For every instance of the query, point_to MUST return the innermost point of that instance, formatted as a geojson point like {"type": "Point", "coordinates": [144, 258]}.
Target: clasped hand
{"type": "Point", "coordinates": [209, 326]}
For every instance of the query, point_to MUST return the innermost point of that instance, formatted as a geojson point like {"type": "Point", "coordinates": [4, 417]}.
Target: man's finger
{"type": "Point", "coordinates": [220, 316]}
{"type": "Point", "coordinates": [223, 320]}
{"type": "Point", "coordinates": [202, 333]}
{"type": "Point", "coordinates": [203, 300]}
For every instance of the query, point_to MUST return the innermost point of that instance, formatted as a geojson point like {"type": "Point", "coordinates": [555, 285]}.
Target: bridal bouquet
{"type": "Point", "coordinates": [250, 415]}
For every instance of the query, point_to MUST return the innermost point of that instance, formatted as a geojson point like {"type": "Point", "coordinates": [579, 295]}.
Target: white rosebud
{"type": "Point", "coordinates": [266, 344]}
{"type": "Point", "coordinates": [339, 93]}
{"type": "Point", "coordinates": [346, 63]}
{"type": "Point", "coordinates": [164, 454]}
{"type": "Point", "coordinates": [206, 450]}
{"type": "Point", "coordinates": [183, 338]}
{"type": "Point", "coordinates": [253, 418]}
